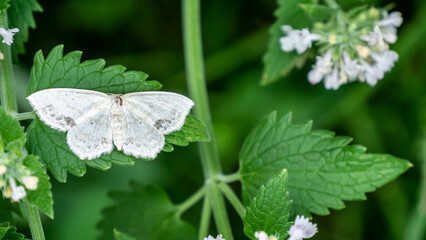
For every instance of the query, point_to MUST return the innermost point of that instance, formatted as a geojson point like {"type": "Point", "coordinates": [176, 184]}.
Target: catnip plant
{"type": "Point", "coordinates": [86, 114]}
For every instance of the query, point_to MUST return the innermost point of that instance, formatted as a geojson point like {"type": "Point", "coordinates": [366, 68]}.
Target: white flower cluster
{"type": "Point", "coordinates": [219, 237]}
{"type": "Point", "coordinates": [8, 183]}
{"type": "Point", "coordinates": [301, 229]}
{"type": "Point", "coordinates": [8, 35]}
{"type": "Point", "coordinates": [349, 53]}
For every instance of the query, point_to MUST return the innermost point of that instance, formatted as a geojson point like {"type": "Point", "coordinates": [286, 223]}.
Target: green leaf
{"type": "Point", "coordinates": [10, 129]}
{"type": "Point", "coordinates": [20, 15]}
{"type": "Point", "coordinates": [58, 71]}
{"type": "Point", "coordinates": [270, 209]}
{"type": "Point", "coordinates": [146, 213]}
{"type": "Point", "coordinates": [42, 196]}
{"type": "Point", "coordinates": [317, 12]}
{"type": "Point", "coordinates": [4, 4]}
{"type": "Point", "coordinates": [279, 63]}
{"type": "Point", "coordinates": [8, 232]}
{"type": "Point", "coordinates": [323, 169]}
{"type": "Point", "coordinates": [121, 236]}
{"type": "Point", "coordinates": [6, 209]}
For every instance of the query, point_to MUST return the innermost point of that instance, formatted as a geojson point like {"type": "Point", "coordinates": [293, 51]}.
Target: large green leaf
{"type": "Point", "coordinates": [277, 62]}
{"type": "Point", "coordinates": [58, 71]}
{"type": "Point", "coordinates": [8, 232]}
{"type": "Point", "coordinates": [270, 209]}
{"type": "Point", "coordinates": [323, 169]}
{"type": "Point", "coordinates": [20, 15]}
{"type": "Point", "coordinates": [144, 212]}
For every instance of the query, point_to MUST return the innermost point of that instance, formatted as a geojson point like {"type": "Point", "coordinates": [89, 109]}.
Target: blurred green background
{"type": "Point", "coordinates": [146, 35]}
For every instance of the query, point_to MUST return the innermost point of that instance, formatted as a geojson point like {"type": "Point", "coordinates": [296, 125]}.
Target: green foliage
{"type": "Point", "coordinates": [323, 169]}
{"type": "Point", "coordinates": [121, 236]}
{"type": "Point", "coordinates": [42, 196]}
{"type": "Point", "coordinates": [8, 232]}
{"type": "Point", "coordinates": [270, 209]}
{"type": "Point", "coordinates": [14, 139]}
{"type": "Point", "coordinates": [279, 63]}
{"type": "Point", "coordinates": [58, 71]}
{"type": "Point", "coordinates": [4, 4]}
{"type": "Point", "coordinates": [146, 213]}
{"type": "Point", "coordinates": [20, 15]}
{"type": "Point", "coordinates": [317, 12]}
{"type": "Point", "coordinates": [5, 210]}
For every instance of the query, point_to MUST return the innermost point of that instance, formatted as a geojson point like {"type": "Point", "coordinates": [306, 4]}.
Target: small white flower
{"type": "Point", "coordinates": [389, 34]}
{"type": "Point", "coordinates": [219, 237]}
{"type": "Point", "coordinates": [385, 60]}
{"type": "Point", "coordinates": [18, 192]}
{"type": "Point", "coordinates": [393, 19]}
{"type": "Point", "coordinates": [350, 67]}
{"type": "Point", "coordinates": [371, 73]}
{"type": "Point", "coordinates": [8, 35]}
{"type": "Point", "coordinates": [302, 228]}
{"type": "Point", "coordinates": [30, 182]}
{"type": "Point", "coordinates": [261, 235]}
{"type": "Point", "coordinates": [298, 40]}
{"type": "Point", "coordinates": [331, 81]}
{"type": "Point", "coordinates": [3, 169]}
{"type": "Point", "coordinates": [375, 38]}
{"type": "Point", "coordinates": [363, 51]}
{"type": "Point", "coordinates": [321, 68]}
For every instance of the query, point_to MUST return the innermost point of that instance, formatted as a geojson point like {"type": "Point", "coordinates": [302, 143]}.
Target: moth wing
{"type": "Point", "coordinates": [92, 135]}
{"type": "Point", "coordinates": [140, 138]}
{"type": "Point", "coordinates": [164, 110]}
{"type": "Point", "coordinates": [60, 108]}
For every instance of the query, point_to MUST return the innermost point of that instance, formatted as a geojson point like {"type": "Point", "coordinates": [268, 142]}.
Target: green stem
{"type": "Point", "coordinates": [33, 218]}
{"type": "Point", "coordinates": [205, 219]}
{"type": "Point", "coordinates": [198, 92]}
{"type": "Point", "coordinates": [191, 201]}
{"type": "Point", "coordinates": [229, 178]}
{"type": "Point", "coordinates": [24, 116]}
{"type": "Point", "coordinates": [233, 199]}
{"type": "Point", "coordinates": [8, 98]}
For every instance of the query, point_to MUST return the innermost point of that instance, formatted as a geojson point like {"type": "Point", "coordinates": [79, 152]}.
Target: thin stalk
{"type": "Point", "coordinates": [233, 199]}
{"type": "Point", "coordinates": [8, 98]}
{"type": "Point", "coordinates": [191, 201]}
{"type": "Point", "coordinates": [24, 116]}
{"type": "Point", "coordinates": [205, 219]}
{"type": "Point", "coordinates": [33, 218]}
{"type": "Point", "coordinates": [195, 76]}
{"type": "Point", "coordinates": [229, 178]}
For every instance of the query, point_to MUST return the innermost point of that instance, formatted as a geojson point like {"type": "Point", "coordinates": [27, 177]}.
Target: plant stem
{"type": "Point", "coordinates": [8, 99]}
{"type": "Point", "coordinates": [205, 219]}
{"type": "Point", "coordinates": [233, 199]}
{"type": "Point", "coordinates": [191, 201]}
{"type": "Point", "coordinates": [229, 178]}
{"type": "Point", "coordinates": [33, 218]}
{"type": "Point", "coordinates": [24, 116]}
{"type": "Point", "coordinates": [198, 92]}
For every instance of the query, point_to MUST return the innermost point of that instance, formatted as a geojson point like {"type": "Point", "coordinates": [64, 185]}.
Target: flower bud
{"type": "Point", "coordinates": [7, 193]}
{"type": "Point", "coordinates": [3, 169]}
{"type": "Point", "coordinates": [30, 182]}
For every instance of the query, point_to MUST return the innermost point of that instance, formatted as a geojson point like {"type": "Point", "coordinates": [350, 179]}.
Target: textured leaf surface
{"type": "Point", "coordinates": [279, 63]}
{"type": "Point", "coordinates": [323, 169]}
{"type": "Point", "coordinates": [4, 4]}
{"type": "Point", "coordinates": [10, 129]}
{"type": "Point", "coordinates": [42, 196]}
{"type": "Point", "coordinates": [20, 15]}
{"type": "Point", "coordinates": [58, 71]}
{"type": "Point", "coordinates": [121, 236]}
{"type": "Point", "coordinates": [8, 232]}
{"type": "Point", "coordinates": [146, 213]}
{"type": "Point", "coordinates": [270, 209]}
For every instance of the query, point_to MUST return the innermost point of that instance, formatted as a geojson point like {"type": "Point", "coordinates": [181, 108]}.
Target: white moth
{"type": "Point", "coordinates": [135, 122]}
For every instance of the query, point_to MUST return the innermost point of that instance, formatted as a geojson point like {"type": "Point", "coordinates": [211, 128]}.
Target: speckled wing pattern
{"type": "Point", "coordinates": [137, 125]}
